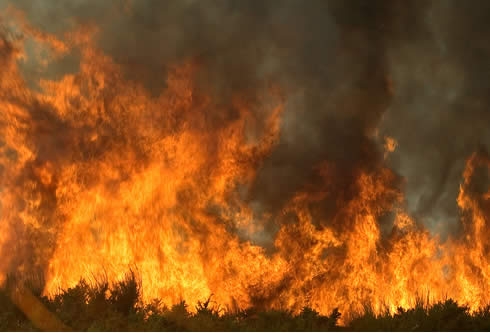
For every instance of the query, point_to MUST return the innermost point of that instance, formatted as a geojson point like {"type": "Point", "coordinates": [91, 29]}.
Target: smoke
{"type": "Point", "coordinates": [341, 106]}
{"type": "Point", "coordinates": [439, 115]}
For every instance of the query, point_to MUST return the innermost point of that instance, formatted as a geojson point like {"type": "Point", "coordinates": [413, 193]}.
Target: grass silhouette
{"type": "Point", "coordinates": [99, 307]}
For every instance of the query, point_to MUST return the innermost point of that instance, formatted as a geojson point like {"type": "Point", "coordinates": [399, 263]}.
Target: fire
{"type": "Point", "coordinates": [99, 176]}
{"type": "Point", "coordinates": [389, 145]}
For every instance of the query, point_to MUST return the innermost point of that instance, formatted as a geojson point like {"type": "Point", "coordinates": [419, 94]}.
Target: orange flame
{"type": "Point", "coordinates": [99, 177]}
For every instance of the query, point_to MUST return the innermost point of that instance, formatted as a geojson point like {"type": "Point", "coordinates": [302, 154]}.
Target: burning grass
{"type": "Point", "coordinates": [98, 307]}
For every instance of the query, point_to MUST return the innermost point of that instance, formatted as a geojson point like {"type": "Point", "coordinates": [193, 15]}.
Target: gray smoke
{"type": "Point", "coordinates": [440, 111]}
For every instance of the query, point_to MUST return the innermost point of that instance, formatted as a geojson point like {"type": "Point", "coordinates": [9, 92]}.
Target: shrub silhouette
{"type": "Point", "coordinates": [99, 306]}
{"type": "Point", "coordinates": [125, 295]}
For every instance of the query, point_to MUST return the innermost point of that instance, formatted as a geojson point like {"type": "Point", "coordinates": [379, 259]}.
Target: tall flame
{"type": "Point", "coordinates": [99, 176]}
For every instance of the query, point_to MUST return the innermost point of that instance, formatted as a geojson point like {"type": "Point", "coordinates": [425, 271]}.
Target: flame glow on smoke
{"type": "Point", "coordinates": [100, 175]}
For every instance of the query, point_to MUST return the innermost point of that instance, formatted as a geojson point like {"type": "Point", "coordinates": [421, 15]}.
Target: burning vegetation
{"type": "Point", "coordinates": [262, 169]}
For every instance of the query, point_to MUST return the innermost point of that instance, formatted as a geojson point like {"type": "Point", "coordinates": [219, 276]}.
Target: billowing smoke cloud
{"type": "Point", "coordinates": [440, 111]}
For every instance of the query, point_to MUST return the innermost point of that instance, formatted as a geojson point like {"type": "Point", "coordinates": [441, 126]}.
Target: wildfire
{"type": "Point", "coordinates": [99, 176]}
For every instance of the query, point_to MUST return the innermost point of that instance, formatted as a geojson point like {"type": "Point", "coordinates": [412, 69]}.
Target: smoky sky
{"type": "Point", "coordinates": [417, 71]}
{"type": "Point", "coordinates": [440, 112]}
